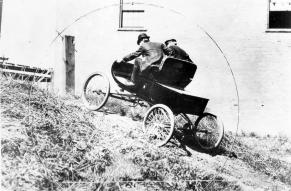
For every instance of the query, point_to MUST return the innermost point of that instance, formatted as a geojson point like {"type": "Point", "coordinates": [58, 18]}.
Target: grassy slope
{"type": "Point", "coordinates": [54, 143]}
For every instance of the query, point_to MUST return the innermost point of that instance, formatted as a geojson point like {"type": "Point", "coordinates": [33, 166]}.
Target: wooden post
{"type": "Point", "coordinates": [70, 63]}
{"type": "Point", "coordinates": [121, 14]}
{"type": "Point", "coordinates": [52, 85]}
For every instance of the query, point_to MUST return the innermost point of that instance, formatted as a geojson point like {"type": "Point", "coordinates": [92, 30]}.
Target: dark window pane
{"type": "Point", "coordinates": [280, 19]}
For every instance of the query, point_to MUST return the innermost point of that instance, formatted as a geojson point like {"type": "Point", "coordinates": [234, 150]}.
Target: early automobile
{"type": "Point", "coordinates": [163, 90]}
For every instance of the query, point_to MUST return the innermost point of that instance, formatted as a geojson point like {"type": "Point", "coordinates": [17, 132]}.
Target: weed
{"type": "Point", "coordinates": [64, 147]}
{"type": "Point", "coordinates": [253, 134]}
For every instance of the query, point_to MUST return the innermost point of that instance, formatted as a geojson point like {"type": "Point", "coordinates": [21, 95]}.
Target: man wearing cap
{"type": "Point", "coordinates": [176, 51]}
{"type": "Point", "coordinates": [151, 52]}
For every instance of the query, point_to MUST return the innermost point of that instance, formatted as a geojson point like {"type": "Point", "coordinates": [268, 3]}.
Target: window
{"type": "Point", "coordinates": [130, 17]}
{"type": "Point", "coordinates": [279, 16]}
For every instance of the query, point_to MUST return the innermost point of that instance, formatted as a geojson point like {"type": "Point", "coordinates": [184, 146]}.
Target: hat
{"type": "Point", "coordinates": [172, 39]}
{"type": "Point", "coordinates": [141, 36]}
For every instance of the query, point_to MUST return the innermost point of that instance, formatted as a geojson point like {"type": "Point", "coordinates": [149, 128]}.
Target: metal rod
{"type": "Point", "coordinates": [133, 11]}
{"type": "Point", "coordinates": [128, 95]}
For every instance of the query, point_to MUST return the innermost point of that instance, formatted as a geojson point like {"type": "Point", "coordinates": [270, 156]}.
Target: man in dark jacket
{"type": "Point", "coordinates": [176, 51]}
{"type": "Point", "coordinates": [151, 54]}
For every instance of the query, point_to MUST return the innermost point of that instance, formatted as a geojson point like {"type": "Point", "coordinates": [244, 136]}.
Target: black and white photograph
{"type": "Point", "coordinates": [141, 95]}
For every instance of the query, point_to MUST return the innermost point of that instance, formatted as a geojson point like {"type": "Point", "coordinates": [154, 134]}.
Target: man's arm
{"type": "Point", "coordinates": [133, 55]}
{"type": "Point", "coordinates": [167, 51]}
{"type": "Point", "coordinates": [187, 56]}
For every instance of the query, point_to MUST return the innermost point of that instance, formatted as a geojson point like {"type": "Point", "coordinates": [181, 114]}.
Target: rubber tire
{"type": "Point", "coordinates": [220, 131]}
{"type": "Point", "coordinates": [107, 91]}
{"type": "Point", "coordinates": [171, 122]}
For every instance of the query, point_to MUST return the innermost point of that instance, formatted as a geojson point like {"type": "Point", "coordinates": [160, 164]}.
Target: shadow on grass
{"type": "Point", "coordinates": [187, 142]}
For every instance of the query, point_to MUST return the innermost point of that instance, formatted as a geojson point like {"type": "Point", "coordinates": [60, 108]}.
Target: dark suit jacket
{"type": "Point", "coordinates": [179, 53]}
{"type": "Point", "coordinates": [152, 53]}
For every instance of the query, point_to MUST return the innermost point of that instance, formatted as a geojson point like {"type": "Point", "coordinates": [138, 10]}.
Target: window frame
{"type": "Point", "coordinates": [274, 30]}
{"type": "Point", "coordinates": [121, 19]}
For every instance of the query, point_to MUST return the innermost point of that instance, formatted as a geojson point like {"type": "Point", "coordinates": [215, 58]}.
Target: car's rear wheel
{"type": "Point", "coordinates": [208, 131]}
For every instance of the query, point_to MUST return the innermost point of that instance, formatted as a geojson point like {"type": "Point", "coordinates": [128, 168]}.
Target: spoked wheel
{"type": "Point", "coordinates": [159, 124]}
{"type": "Point", "coordinates": [209, 131]}
{"type": "Point", "coordinates": [95, 91]}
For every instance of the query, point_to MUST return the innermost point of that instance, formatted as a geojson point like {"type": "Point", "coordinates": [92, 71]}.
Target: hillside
{"type": "Point", "coordinates": [54, 143]}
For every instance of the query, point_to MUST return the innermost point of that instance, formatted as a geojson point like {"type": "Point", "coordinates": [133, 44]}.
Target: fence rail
{"type": "Point", "coordinates": [26, 73]}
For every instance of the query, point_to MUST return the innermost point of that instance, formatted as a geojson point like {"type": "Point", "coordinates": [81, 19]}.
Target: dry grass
{"type": "Point", "coordinates": [123, 108]}
{"type": "Point", "coordinates": [252, 150]}
{"type": "Point", "coordinates": [58, 145]}
{"type": "Point", "coordinates": [64, 147]}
